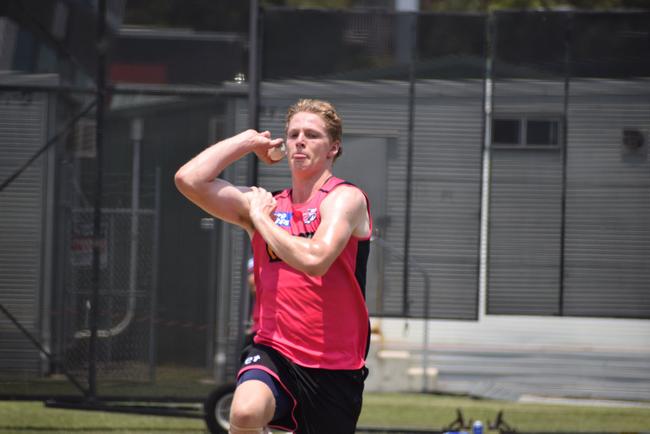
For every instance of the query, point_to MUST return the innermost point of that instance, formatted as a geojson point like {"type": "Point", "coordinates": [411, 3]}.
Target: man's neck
{"type": "Point", "coordinates": [305, 188]}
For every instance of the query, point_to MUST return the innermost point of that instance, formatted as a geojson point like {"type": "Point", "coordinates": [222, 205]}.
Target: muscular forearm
{"type": "Point", "coordinates": [307, 255]}
{"type": "Point", "coordinates": [341, 213]}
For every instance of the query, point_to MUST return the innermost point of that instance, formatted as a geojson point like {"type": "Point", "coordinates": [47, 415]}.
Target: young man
{"type": "Point", "coordinates": [305, 371]}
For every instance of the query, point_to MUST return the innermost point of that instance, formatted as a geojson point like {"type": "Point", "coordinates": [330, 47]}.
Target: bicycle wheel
{"type": "Point", "coordinates": [217, 409]}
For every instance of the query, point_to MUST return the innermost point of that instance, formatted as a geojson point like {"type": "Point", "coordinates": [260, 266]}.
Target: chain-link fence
{"type": "Point", "coordinates": [126, 329]}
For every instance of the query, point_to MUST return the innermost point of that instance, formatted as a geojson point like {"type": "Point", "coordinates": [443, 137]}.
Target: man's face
{"type": "Point", "coordinates": [308, 144]}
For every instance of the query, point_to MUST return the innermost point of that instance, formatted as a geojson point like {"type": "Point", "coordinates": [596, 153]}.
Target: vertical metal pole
{"type": "Point", "coordinates": [413, 33]}
{"type": "Point", "coordinates": [136, 138]}
{"type": "Point", "coordinates": [409, 166]}
{"type": "Point", "coordinates": [253, 69]}
{"type": "Point", "coordinates": [490, 32]}
{"type": "Point", "coordinates": [101, 46]}
{"type": "Point", "coordinates": [253, 122]}
{"type": "Point", "coordinates": [49, 236]}
{"type": "Point", "coordinates": [213, 286]}
{"type": "Point", "coordinates": [221, 350]}
{"type": "Point", "coordinates": [425, 339]}
{"type": "Point", "coordinates": [154, 280]}
{"type": "Point", "coordinates": [564, 145]}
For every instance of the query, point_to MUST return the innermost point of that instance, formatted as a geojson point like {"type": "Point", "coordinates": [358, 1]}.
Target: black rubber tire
{"type": "Point", "coordinates": [217, 409]}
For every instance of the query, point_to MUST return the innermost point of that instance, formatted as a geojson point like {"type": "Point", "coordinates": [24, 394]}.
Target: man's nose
{"type": "Point", "coordinates": [300, 139]}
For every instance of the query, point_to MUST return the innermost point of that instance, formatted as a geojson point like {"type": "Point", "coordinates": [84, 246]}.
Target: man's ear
{"type": "Point", "coordinates": [334, 149]}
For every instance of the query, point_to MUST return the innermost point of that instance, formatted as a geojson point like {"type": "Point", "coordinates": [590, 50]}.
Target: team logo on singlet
{"type": "Point", "coordinates": [309, 215]}
{"type": "Point", "coordinates": [252, 359]}
{"type": "Point", "coordinates": [283, 218]}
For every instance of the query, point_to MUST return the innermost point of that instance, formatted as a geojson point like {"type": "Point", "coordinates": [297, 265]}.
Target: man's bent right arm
{"type": "Point", "coordinates": [198, 181]}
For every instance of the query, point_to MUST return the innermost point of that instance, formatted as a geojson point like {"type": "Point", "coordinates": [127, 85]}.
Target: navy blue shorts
{"type": "Point", "coordinates": [321, 401]}
{"type": "Point", "coordinates": [283, 402]}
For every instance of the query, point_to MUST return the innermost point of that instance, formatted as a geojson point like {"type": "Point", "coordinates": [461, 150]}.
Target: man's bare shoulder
{"type": "Point", "coordinates": [347, 194]}
{"type": "Point", "coordinates": [348, 202]}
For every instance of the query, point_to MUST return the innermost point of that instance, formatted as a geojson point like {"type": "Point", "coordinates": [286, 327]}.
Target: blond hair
{"type": "Point", "coordinates": [327, 113]}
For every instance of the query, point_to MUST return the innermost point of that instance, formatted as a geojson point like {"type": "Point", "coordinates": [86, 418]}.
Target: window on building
{"type": "Point", "coordinates": [526, 132]}
{"type": "Point", "coordinates": [506, 131]}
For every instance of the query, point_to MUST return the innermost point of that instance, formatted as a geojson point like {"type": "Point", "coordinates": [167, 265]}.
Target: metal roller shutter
{"type": "Point", "coordinates": [446, 198]}
{"type": "Point", "coordinates": [525, 238]}
{"type": "Point", "coordinates": [608, 200]}
{"type": "Point", "coordinates": [22, 123]}
{"type": "Point", "coordinates": [524, 251]}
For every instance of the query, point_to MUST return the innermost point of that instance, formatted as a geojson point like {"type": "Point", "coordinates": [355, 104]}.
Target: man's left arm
{"type": "Point", "coordinates": [343, 214]}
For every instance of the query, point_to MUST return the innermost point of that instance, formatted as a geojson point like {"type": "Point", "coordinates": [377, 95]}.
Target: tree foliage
{"type": "Point", "coordinates": [232, 15]}
{"type": "Point", "coordinates": [472, 5]}
{"type": "Point", "coordinates": [226, 16]}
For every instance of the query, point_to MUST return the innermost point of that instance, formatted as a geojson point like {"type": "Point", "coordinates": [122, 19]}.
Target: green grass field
{"type": "Point", "coordinates": [418, 410]}
{"type": "Point", "coordinates": [380, 410]}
